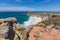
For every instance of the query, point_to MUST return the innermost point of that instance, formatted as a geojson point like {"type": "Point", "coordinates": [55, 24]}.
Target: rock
{"type": "Point", "coordinates": [6, 28]}
{"type": "Point", "coordinates": [41, 33]}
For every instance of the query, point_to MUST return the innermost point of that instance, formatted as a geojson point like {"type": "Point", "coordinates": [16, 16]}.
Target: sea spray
{"type": "Point", "coordinates": [32, 20]}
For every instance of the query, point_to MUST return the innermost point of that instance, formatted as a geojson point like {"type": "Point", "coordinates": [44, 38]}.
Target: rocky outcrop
{"type": "Point", "coordinates": [10, 29]}
{"type": "Point", "coordinates": [6, 28]}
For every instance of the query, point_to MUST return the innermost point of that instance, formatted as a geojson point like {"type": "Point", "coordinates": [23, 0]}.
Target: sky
{"type": "Point", "coordinates": [29, 5]}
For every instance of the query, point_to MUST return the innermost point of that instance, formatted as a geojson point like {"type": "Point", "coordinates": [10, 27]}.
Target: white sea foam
{"type": "Point", "coordinates": [32, 20]}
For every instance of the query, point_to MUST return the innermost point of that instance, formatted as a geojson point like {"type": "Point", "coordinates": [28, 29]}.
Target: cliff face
{"type": "Point", "coordinates": [6, 28]}
{"type": "Point", "coordinates": [10, 29]}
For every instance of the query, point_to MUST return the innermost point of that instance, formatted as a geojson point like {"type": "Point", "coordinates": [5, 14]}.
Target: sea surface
{"type": "Point", "coordinates": [20, 16]}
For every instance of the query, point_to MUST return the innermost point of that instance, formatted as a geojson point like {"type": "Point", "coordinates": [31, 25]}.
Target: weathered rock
{"type": "Point", "coordinates": [41, 33]}
{"type": "Point", "coordinates": [19, 31]}
{"type": "Point", "coordinates": [6, 28]}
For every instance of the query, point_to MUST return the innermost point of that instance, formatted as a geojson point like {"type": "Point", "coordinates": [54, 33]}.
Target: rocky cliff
{"type": "Point", "coordinates": [6, 28]}
{"type": "Point", "coordinates": [46, 29]}
{"type": "Point", "coordinates": [10, 29]}
{"type": "Point", "coordinates": [49, 29]}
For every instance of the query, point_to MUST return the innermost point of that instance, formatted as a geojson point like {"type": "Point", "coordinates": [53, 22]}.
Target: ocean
{"type": "Point", "coordinates": [20, 16]}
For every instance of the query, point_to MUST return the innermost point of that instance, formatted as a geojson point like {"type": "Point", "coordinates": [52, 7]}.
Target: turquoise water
{"type": "Point", "coordinates": [20, 16]}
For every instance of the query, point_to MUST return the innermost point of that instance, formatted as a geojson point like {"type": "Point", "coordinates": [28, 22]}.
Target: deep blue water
{"type": "Point", "coordinates": [20, 16]}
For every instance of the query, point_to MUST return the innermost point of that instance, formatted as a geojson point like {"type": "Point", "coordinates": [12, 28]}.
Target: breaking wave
{"type": "Point", "coordinates": [32, 20]}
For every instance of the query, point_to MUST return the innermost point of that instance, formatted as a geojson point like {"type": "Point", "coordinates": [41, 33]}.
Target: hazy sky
{"type": "Point", "coordinates": [29, 5]}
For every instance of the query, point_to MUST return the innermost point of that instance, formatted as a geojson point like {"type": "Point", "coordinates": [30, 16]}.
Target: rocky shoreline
{"type": "Point", "coordinates": [10, 29]}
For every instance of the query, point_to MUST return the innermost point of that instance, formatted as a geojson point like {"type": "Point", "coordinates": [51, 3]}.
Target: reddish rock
{"type": "Point", "coordinates": [40, 33]}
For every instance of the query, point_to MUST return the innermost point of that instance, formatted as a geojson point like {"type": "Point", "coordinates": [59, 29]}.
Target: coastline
{"type": "Point", "coordinates": [22, 33]}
